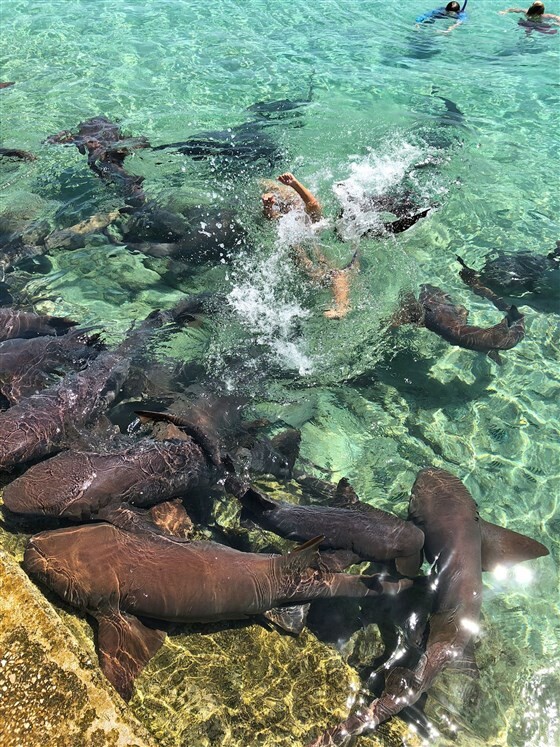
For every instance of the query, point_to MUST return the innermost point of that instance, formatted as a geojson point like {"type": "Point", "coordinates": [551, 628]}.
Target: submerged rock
{"type": "Point", "coordinates": [50, 691]}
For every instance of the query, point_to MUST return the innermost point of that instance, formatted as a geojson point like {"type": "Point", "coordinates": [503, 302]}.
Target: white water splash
{"type": "Point", "coordinates": [376, 174]}
{"type": "Point", "coordinates": [268, 308]}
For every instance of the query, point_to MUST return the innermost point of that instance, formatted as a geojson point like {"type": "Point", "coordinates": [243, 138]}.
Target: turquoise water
{"type": "Point", "coordinates": [372, 406]}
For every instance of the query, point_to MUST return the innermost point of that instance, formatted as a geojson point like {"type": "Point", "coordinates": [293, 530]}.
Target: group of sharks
{"type": "Point", "coordinates": [128, 559]}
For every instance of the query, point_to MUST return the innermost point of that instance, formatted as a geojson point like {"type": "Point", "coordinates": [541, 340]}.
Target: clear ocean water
{"type": "Point", "coordinates": [372, 406]}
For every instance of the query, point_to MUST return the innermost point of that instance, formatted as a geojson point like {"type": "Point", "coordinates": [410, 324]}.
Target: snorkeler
{"type": "Point", "coordinates": [451, 10]}
{"type": "Point", "coordinates": [534, 16]}
{"type": "Point", "coordinates": [290, 195]}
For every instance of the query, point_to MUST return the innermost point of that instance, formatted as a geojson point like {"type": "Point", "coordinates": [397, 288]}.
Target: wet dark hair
{"type": "Point", "coordinates": [536, 9]}
{"type": "Point", "coordinates": [453, 7]}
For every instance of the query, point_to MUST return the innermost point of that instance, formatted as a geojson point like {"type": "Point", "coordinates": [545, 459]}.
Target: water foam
{"type": "Point", "coordinates": [264, 300]}
{"type": "Point", "coordinates": [376, 174]}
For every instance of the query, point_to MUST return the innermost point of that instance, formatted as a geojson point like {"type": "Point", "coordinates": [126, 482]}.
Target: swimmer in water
{"type": "Point", "coordinates": [451, 10]}
{"type": "Point", "coordinates": [288, 195]}
{"type": "Point", "coordinates": [534, 16]}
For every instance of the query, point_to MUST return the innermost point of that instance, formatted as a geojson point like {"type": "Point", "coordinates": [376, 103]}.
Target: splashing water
{"type": "Point", "coordinates": [376, 174]}
{"type": "Point", "coordinates": [264, 299]}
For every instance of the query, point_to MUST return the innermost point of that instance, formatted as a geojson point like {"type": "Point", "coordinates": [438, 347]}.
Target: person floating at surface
{"type": "Point", "coordinates": [534, 14]}
{"type": "Point", "coordinates": [292, 195]}
{"type": "Point", "coordinates": [451, 10]}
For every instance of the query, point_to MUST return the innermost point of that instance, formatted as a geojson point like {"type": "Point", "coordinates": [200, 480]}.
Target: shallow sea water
{"type": "Point", "coordinates": [372, 406]}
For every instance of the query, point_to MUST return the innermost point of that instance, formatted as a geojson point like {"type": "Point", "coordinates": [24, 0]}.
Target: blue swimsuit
{"type": "Point", "coordinates": [432, 15]}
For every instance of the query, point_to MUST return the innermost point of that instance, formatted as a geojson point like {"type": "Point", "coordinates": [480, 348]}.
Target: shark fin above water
{"type": "Point", "coordinates": [503, 547]}
{"type": "Point", "coordinates": [125, 647]}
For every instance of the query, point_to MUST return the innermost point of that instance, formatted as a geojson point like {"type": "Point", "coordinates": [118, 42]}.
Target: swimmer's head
{"type": "Point", "coordinates": [536, 9]}
{"type": "Point", "coordinates": [452, 8]}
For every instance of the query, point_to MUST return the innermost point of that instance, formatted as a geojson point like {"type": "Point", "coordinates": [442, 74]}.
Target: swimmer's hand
{"type": "Point", "coordinates": [288, 179]}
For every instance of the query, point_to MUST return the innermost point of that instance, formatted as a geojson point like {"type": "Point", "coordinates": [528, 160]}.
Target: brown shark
{"type": "Point", "coordinates": [106, 149]}
{"type": "Point", "coordinates": [369, 533]}
{"type": "Point", "coordinates": [27, 365]}
{"type": "Point", "coordinates": [118, 576]}
{"type": "Point", "coordinates": [461, 546]}
{"type": "Point", "coordinates": [439, 314]}
{"type": "Point", "coordinates": [39, 424]}
{"type": "Point", "coordinates": [79, 485]}
{"type": "Point", "coordinates": [27, 324]}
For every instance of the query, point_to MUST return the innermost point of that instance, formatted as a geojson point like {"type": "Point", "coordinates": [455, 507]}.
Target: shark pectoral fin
{"type": "Point", "coordinates": [291, 619]}
{"type": "Point", "coordinates": [345, 496]}
{"type": "Point", "coordinates": [495, 356]}
{"type": "Point", "coordinates": [125, 647]}
{"type": "Point", "coordinates": [409, 565]}
{"type": "Point", "coordinates": [503, 547]}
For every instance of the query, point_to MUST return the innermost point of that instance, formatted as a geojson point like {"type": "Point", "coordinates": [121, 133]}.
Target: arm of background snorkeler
{"type": "Point", "coordinates": [446, 31]}
{"type": "Point", "coordinates": [312, 204]}
{"type": "Point", "coordinates": [511, 10]}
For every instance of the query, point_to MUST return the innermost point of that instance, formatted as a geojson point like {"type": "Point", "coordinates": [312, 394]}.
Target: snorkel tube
{"type": "Point", "coordinates": [464, 6]}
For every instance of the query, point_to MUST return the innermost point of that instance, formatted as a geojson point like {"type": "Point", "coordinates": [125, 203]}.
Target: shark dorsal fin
{"type": "Point", "coordinates": [345, 496]}
{"type": "Point", "coordinates": [503, 547]}
{"type": "Point", "coordinates": [303, 556]}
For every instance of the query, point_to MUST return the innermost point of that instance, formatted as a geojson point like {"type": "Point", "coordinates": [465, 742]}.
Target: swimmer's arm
{"type": "Point", "coordinates": [447, 31]}
{"type": "Point", "coordinates": [312, 205]}
{"type": "Point", "coordinates": [511, 10]}
{"type": "Point", "coordinates": [551, 16]}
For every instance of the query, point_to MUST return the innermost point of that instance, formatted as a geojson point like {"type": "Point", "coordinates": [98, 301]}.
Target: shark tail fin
{"type": "Point", "coordinates": [303, 556]}
{"type": "Point", "coordinates": [205, 437]}
{"type": "Point", "coordinates": [503, 547]}
{"type": "Point", "coordinates": [125, 647]}
{"type": "Point", "coordinates": [256, 501]}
